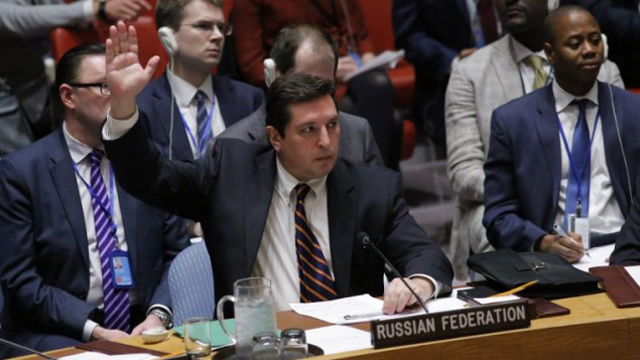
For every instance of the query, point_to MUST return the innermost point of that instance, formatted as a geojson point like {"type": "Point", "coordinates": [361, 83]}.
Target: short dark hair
{"type": "Point", "coordinates": [289, 39]}
{"type": "Point", "coordinates": [293, 88]}
{"type": "Point", "coordinates": [551, 21]}
{"type": "Point", "coordinates": [67, 68]}
{"type": "Point", "coordinates": [170, 12]}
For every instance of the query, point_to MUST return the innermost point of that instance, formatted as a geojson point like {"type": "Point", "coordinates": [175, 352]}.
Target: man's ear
{"type": "Point", "coordinates": [548, 50]}
{"type": "Point", "coordinates": [67, 96]}
{"type": "Point", "coordinates": [274, 138]}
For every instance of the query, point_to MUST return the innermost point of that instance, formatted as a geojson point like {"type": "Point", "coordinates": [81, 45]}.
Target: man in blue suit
{"type": "Point", "coordinates": [433, 34]}
{"type": "Point", "coordinates": [71, 236]}
{"type": "Point", "coordinates": [204, 104]}
{"type": "Point", "coordinates": [565, 154]}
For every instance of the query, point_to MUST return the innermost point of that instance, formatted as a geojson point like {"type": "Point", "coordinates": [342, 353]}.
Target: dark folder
{"type": "Point", "coordinates": [620, 286]}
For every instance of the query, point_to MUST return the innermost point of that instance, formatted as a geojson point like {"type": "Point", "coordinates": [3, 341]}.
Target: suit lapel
{"type": "Point", "coordinates": [506, 68]}
{"type": "Point", "coordinates": [64, 180]}
{"type": "Point", "coordinates": [342, 207]}
{"type": "Point", "coordinates": [225, 94]}
{"type": "Point", "coordinates": [128, 209]}
{"type": "Point", "coordinates": [257, 202]}
{"type": "Point", "coordinates": [613, 153]}
{"type": "Point", "coordinates": [546, 123]}
{"type": "Point", "coordinates": [162, 104]}
{"type": "Point", "coordinates": [256, 130]}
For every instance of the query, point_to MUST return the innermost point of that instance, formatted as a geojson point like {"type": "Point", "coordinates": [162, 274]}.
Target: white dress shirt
{"type": "Point", "coordinates": [80, 155]}
{"type": "Point", "coordinates": [605, 216]}
{"type": "Point", "coordinates": [277, 259]}
{"type": "Point", "coordinates": [185, 96]}
{"type": "Point", "coordinates": [527, 73]}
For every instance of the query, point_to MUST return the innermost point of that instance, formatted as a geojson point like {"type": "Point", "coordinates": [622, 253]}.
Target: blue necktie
{"type": "Point", "coordinates": [580, 160]}
{"type": "Point", "coordinates": [316, 282]}
{"type": "Point", "coordinates": [116, 301]}
{"type": "Point", "coordinates": [204, 132]}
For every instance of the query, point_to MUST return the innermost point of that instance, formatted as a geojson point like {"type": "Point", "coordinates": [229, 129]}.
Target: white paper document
{"type": "Point", "coordinates": [363, 308]}
{"type": "Point", "coordinates": [634, 272]}
{"type": "Point", "coordinates": [496, 300]}
{"type": "Point", "coordinates": [387, 58]}
{"type": "Point", "coordinates": [90, 355]}
{"type": "Point", "coordinates": [596, 256]}
{"type": "Point", "coordinates": [337, 339]}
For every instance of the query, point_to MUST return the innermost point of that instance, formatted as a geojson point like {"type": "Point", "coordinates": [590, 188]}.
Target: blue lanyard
{"type": "Point", "coordinates": [109, 210]}
{"type": "Point", "coordinates": [572, 165]}
{"type": "Point", "coordinates": [200, 145]}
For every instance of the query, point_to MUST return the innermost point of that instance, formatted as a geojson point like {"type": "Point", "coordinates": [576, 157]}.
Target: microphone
{"type": "Point", "coordinates": [25, 349]}
{"type": "Point", "coordinates": [366, 242]}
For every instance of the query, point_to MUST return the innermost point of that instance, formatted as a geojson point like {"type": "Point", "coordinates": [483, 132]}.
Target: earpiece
{"type": "Point", "coordinates": [269, 71]}
{"type": "Point", "coordinates": [624, 156]}
{"type": "Point", "coordinates": [170, 45]}
{"type": "Point", "coordinates": [168, 40]}
{"type": "Point", "coordinates": [553, 4]}
{"type": "Point", "coordinates": [605, 41]}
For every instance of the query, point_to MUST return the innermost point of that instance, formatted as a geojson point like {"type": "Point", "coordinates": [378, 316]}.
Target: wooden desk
{"type": "Point", "coordinates": [595, 329]}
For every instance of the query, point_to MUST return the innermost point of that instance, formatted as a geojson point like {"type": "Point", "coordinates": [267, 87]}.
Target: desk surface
{"type": "Point", "coordinates": [595, 329]}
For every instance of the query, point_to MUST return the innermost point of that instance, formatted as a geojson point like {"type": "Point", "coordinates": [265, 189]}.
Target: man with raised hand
{"type": "Point", "coordinates": [291, 211]}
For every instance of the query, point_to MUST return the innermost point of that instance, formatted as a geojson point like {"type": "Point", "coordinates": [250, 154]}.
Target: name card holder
{"type": "Point", "coordinates": [450, 324]}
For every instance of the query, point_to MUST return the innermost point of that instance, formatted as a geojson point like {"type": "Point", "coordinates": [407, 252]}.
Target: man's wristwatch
{"type": "Point", "coordinates": [102, 10]}
{"type": "Point", "coordinates": [164, 317]}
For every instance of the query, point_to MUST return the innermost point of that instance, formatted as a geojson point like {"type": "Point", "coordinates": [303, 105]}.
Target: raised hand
{"type": "Point", "coordinates": [125, 75]}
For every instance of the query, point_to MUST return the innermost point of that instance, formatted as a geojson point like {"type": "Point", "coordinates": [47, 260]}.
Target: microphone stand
{"type": "Point", "coordinates": [25, 349]}
{"type": "Point", "coordinates": [366, 241]}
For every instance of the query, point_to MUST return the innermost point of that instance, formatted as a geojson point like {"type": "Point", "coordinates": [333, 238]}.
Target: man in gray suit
{"type": "Point", "coordinates": [307, 49]}
{"type": "Point", "coordinates": [503, 71]}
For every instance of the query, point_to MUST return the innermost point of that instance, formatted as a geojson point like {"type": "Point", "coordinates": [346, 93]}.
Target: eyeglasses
{"type": "Point", "coordinates": [209, 26]}
{"type": "Point", "coordinates": [104, 87]}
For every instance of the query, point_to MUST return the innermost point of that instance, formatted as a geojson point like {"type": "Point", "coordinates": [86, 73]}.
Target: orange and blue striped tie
{"type": "Point", "coordinates": [316, 282]}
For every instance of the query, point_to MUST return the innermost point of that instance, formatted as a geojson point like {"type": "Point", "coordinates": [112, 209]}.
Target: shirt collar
{"type": "Point", "coordinates": [286, 182]}
{"type": "Point", "coordinates": [521, 52]}
{"type": "Point", "coordinates": [564, 99]}
{"type": "Point", "coordinates": [78, 150]}
{"type": "Point", "coordinates": [184, 92]}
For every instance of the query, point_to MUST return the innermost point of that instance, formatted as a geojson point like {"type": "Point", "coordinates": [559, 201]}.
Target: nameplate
{"type": "Point", "coordinates": [450, 324]}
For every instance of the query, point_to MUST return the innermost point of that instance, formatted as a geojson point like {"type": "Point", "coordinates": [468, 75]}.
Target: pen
{"type": "Point", "coordinates": [516, 289]}
{"type": "Point", "coordinates": [363, 316]}
{"type": "Point", "coordinates": [560, 231]}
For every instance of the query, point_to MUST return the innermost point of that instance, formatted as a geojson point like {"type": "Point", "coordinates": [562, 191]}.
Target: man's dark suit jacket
{"type": "Point", "coordinates": [235, 99]}
{"type": "Point", "coordinates": [230, 193]}
{"type": "Point", "coordinates": [524, 160]}
{"type": "Point", "coordinates": [44, 269]}
{"type": "Point", "coordinates": [432, 32]}
{"type": "Point", "coordinates": [627, 251]}
{"type": "Point", "coordinates": [356, 137]}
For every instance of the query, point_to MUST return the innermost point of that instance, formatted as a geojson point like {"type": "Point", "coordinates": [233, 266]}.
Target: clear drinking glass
{"type": "Point", "coordinates": [265, 346]}
{"type": "Point", "coordinates": [197, 337]}
{"type": "Point", "coordinates": [293, 344]}
{"type": "Point", "coordinates": [254, 312]}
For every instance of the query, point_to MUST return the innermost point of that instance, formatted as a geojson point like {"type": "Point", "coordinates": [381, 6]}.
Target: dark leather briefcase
{"type": "Point", "coordinates": [557, 278]}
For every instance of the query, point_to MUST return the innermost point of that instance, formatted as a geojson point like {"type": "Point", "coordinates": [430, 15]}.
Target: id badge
{"type": "Point", "coordinates": [580, 226]}
{"type": "Point", "coordinates": [121, 270]}
{"type": "Point", "coordinates": [582, 229]}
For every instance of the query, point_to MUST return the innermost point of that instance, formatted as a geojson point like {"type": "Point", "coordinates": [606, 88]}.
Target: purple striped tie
{"type": "Point", "coordinates": [116, 301]}
{"type": "Point", "coordinates": [316, 282]}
